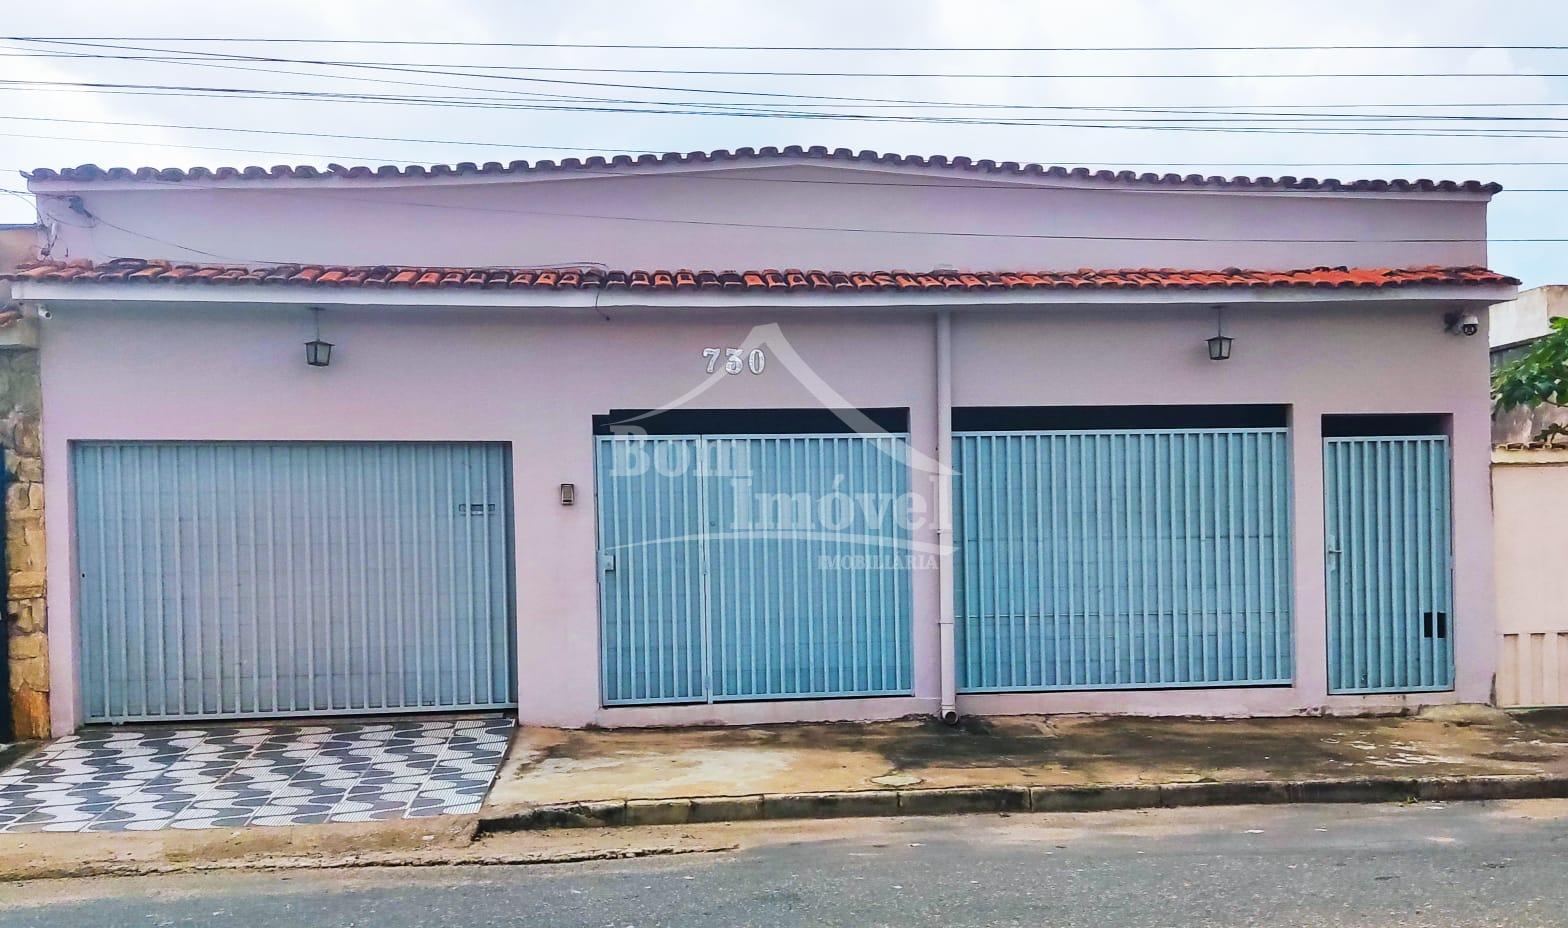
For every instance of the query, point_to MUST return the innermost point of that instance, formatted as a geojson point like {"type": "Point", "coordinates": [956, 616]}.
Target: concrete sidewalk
{"type": "Point", "coordinates": [1061, 763]}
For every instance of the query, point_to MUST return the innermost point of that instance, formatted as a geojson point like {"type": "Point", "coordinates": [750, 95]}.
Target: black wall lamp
{"type": "Point", "coordinates": [1219, 343]}
{"type": "Point", "coordinates": [317, 352]}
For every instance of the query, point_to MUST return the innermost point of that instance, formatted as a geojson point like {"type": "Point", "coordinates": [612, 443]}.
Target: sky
{"type": "Point", "coordinates": [486, 102]}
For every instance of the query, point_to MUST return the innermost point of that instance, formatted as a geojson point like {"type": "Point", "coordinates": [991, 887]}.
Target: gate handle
{"type": "Point", "coordinates": [607, 563]}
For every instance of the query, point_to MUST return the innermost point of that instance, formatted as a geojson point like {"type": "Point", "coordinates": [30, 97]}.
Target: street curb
{"type": "Point", "coordinates": [982, 799]}
{"type": "Point", "coordinates": [342, 862]}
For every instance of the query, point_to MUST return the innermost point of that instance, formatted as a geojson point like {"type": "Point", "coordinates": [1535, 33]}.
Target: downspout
{"type": "Point", "coordinates": [944, 515]}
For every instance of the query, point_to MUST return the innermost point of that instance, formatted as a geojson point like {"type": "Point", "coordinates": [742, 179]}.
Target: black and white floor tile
{"type": "Point", "coordinates": [119, 779]}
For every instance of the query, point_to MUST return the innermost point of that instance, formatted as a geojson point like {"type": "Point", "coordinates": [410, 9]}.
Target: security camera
{"type": "Point", "coordinates": [1462, 323]}
{"type": "Point", "coordinates": [45, 313]}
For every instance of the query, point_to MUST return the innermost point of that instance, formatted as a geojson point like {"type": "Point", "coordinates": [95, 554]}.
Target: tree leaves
{"type": "Point", "coordinates": [1539, 378]}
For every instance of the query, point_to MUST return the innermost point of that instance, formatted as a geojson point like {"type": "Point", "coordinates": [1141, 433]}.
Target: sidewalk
{"type": "Point", "coordinates": [559, 778]}
{"type": "Point", "coordinates": [769, 775]}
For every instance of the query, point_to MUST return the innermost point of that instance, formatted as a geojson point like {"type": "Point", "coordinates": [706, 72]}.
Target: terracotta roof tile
{"type": "Point", "coordinates": [792, 153]}
{"type": "Point", "coordinates": [140, 271]}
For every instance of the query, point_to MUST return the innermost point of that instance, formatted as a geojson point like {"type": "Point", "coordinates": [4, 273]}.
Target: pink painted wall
{"type": "Point", "coordinates": [1530, 498]}
{"type": "Point", "coordinates": [743, 218]}
{"type": "Point", "coordinates": [535, 377]}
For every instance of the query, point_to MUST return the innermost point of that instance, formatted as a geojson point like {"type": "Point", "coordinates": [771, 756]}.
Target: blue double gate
{"type": "Point", "coordinates": [753, 567]}
{"type": "Point", "coordinates": [1390, 587]}
{"type": "Point", "coordinates": [1122, 559]}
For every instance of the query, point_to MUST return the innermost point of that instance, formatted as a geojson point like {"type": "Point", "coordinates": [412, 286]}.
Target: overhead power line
{"type": "Point", "coordinates": [663, 88]}
{"type": "Point", "coordinates": [210, 61]}
{"type": "Point", "coordinates": [476, 70]}
{"type": "Point", "coordinates": [436, 43]}
{"type": "Point", "coordinates": [1195, 114]}
{"type": "Point", "coordinates": [1195, 107]}
{"type": "Point", "coordinates": [1190, 124]}
{"type": "Point", "coordinates": [580, 147]}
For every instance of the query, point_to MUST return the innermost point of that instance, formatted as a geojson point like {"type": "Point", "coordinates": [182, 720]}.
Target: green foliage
{"type": "Point", "coordinates": [1540, 378]}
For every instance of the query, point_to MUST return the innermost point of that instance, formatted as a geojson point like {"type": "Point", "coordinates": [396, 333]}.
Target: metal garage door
{"type": "Point", "coordinates": [1120, 559]}
{"type": "Point", "coordinates": [240, 579]}
{"type": "Point", "coordinates": [1390, 590]}
{"type": "Point", "coordinates": [753, 567]}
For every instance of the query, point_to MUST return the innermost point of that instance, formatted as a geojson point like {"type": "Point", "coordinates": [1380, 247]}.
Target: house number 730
{"type": "Point", "coordinates": [734, 361]}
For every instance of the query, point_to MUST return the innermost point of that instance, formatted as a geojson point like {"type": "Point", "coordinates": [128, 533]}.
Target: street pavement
{"type": "Point", "coordinates": [1454, 865]}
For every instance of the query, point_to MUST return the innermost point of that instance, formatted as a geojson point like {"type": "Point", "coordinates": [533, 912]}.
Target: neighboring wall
{"type": "Point", "coordinates": [24, 503]}
{"type": "Point", "coordinates": [1530, 507]}
{"type": "Point", "coordinates": [1514, 325]}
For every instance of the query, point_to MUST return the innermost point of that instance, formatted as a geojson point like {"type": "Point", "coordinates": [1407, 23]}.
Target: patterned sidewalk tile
{"type": "Point", "coordinates": [228, 776]}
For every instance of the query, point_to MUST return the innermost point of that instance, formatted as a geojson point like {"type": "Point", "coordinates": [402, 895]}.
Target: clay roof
{"type": "Point", "coordinates": [137, 270]}
{"type": "Point", "coordinates": [752, 156]}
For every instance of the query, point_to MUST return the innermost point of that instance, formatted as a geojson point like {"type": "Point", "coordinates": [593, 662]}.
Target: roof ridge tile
{"type": "Point", "coordinates": [92, 172]}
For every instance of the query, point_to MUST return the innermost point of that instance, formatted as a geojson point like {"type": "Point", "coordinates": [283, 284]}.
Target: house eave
{"type": "Point", "coordinates": [60, 293]}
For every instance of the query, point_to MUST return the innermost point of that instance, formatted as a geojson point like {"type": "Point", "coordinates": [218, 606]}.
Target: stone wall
{"type": "Point", "coordinates": [24, 542]}
{"type": "Point", "coordinates": [27, 621]}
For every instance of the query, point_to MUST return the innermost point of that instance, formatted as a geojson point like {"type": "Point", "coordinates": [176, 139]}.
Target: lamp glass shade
{"type": "Point", "coordinates": [318, 353]}
{"type": "Point", "coordinates": [1219, 347]}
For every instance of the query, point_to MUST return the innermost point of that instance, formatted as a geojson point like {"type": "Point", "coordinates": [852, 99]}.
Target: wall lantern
{"type": "Point", "coordinates": [317, 352]}
{"type": "Point", "coordinates": [1219, 343]}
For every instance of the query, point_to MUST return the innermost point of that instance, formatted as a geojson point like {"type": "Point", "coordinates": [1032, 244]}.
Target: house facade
{"type": "Point", "coordinates": [587, 449]}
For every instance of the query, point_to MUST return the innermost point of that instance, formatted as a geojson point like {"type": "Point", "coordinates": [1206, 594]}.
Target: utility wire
{"type": "Point", "coordinates": [537, 80]}
{"type": "Point", "coordinates": [1205, 107]}
{"type": "Point", "coordinates": [1185, 125]}
{"type": "Point", "coordinates": [1126, 113]}
{"type": "Point", "coordinates": [794, 48]}
{"type": "Point", "coordinates": [735, 72]}
{"type": "Point", "coordinates": [577, 147]}
{"type": "Point", "coordinates": [591, 99]}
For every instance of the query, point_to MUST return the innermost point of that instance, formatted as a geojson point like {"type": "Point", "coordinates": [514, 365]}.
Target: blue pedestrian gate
{"type": "Point", "coordinates": [753, 567]}
{"type": "Point", "coordinates": [245, 579]}
{"type": "Point", "coordinates": [1388, 559]}
{"type": "Point", "coordinates": [1122, 559]}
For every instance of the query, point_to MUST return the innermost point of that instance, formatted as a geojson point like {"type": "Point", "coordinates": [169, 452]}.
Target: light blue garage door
{"type": "Point", "coordinates": [1390, 588]}
{"type": "Point", "coordinates": [753, 567]}
{"type": "Point", "coordinates": [245, 579]}
{"type": "Point", "coordinates": [1122, 559]}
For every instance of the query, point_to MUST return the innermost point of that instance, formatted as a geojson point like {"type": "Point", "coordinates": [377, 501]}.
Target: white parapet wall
{"type": "Point", "coordinates": [1530, 507]}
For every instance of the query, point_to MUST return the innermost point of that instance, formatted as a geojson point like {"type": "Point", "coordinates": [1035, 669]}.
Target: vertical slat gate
{"type": "Point", "coordinates": [252, 579]}
{"type": "Point", "coordinates": [1122, 559]}
{"type": "Point", "coordinates": [652, 642]}
{"type": "Point", "coordinates": [1388, 559]}
{"type": "Point", "coordinates": [766, 567]}
{"type": "Point", "coordinates": [808, 557]}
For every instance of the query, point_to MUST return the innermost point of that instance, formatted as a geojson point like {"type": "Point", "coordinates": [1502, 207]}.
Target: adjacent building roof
{"type": "Point", "coordinates": [793, 154]}
{"type": "Point", "coordinates": [136, 270]}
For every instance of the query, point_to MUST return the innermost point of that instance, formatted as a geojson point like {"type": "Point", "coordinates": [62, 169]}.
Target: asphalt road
{"type": "Point", "coordinates": [1454, 865]}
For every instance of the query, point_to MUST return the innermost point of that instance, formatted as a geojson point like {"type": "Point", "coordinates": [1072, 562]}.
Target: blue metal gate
{"type": "Point", "coordinates": [1389, 571]}
{"type": "Point", "coordinates": [1122, 559]}
{"type": "Point", "coordinates": [753, 567]}
{"type": "Point", "coordinates": [245, 579]}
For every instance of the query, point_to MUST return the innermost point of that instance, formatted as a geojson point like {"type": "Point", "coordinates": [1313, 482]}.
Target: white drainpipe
{"type": "Point", "coordinates": [944, 514]}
